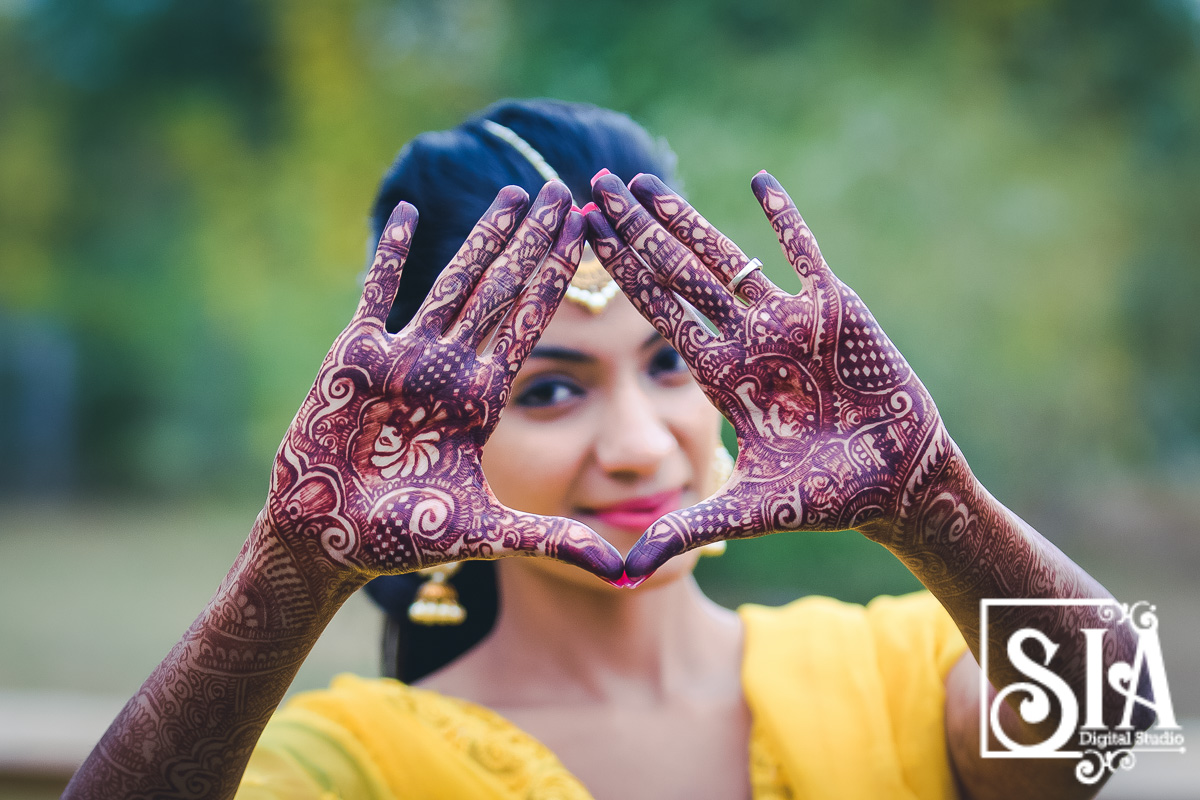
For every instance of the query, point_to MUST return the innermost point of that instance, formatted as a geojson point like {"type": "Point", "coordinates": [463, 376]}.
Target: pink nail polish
{"type": "Point", "coordinates": [761, 172]}
{"type": "Point", "coordinates": [626, 582]}
{"type": "Point", "coordinates": [620, 582]}
{"type": "Point", "coordinates": [589, 208]}
{"type": "Point", "coordinates": [633, 583]}
{"type": "Point", "coordinates": [576, 208]}
{"type": "Point", "coordinates": [600, 175]}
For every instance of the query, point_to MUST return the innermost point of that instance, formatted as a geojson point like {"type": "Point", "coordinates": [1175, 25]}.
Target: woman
{"type": "Point", "coordinates": [607, 444]}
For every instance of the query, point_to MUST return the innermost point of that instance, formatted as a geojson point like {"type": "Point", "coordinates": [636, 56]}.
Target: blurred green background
{"type": "Point", "coordinates": [1011, 186]}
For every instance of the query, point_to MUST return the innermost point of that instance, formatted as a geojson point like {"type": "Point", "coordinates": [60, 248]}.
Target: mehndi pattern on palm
{"type": "Point", "coordinates": [381, 465]}
{"type": "Point", "coordinates": [831, 422]}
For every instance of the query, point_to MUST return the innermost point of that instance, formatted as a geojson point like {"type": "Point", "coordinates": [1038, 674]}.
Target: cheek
{"type": "Point", "coordinates": [531, 466]}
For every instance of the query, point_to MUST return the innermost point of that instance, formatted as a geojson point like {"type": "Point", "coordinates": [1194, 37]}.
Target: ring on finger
{"type": "Point", "coordinates": [752, 265]}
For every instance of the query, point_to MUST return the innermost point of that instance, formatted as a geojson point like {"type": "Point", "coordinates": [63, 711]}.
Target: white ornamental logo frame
{"type": "Point", "coordinates": [1093, 762]}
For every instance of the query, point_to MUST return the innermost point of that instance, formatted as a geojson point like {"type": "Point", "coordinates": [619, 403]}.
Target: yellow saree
{"type": "Point", "coordinates": [847, 702]}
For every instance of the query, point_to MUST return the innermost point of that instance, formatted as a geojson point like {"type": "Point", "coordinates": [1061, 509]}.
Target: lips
{"type": "Point", "coordinates": [639, 513]}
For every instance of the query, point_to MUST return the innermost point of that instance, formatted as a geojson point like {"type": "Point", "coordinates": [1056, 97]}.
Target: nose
{"type": "Point", "coordinates": [634, 438]}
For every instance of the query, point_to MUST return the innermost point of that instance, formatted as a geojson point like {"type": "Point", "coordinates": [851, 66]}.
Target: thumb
{"type": "Point", "coordinates": [521, 534]}
{"type": "Point", "coordinates": [723, 516]}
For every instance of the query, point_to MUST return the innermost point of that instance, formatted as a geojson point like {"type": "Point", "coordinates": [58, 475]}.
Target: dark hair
{"type": "Point", "coordinates": [452, 177]}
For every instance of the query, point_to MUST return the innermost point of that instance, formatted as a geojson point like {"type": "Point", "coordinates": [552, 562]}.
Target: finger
{"type": "Point", "coordinates": [794, 235]}
{"type": "Point", "coordinates": [661, 308]}
{"type": "Point", "coordinates": [379, 289]}
{"type": "Point", "coordinates": [675, 265]}
{"type": "Point", "coordinates": [562, 539]}
{"type": "Point", "coordinates": [520, 331]}
{"type": "Point", "coordinates": [509, 273]}
{"type": "Point", "coordinates": [718, 252]}
{"type": "Point", "coordinates": [486, 241]}
{"type": "Point", "coordinates": [724, 516]}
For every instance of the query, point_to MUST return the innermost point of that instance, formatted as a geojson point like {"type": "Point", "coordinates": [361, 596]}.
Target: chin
{"type": "Point", "coordinates": [624, 540]}
{"type": "Point", "coordinates": [678, 567]}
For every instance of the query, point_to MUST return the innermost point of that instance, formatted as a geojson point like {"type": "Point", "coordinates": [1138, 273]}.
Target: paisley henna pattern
{"type": "Point", "coordinates": [381, 466]}
{"type": "Point", "coordinates": [834, 429]}
{"type": "Point", "coordinates": [379, 472]}
{"type": "Point", "coordinates": [831, 422]}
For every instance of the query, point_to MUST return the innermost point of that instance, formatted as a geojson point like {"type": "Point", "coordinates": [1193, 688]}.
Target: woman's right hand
{"type": "Point", "coordinates": [378, 473]}
{"type": "Point", "coordinates": [380, 470]}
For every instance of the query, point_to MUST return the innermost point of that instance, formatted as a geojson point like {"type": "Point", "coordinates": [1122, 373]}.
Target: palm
{"type": "Point", "coordinates": [380, 470]}
{"type": "Point", "coordinates": [830, 419]}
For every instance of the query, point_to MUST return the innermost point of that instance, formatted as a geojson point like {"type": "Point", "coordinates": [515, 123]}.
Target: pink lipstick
{"type": "Point", "coordinates": [639, 513]}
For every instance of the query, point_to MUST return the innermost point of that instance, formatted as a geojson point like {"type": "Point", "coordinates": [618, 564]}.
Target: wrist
{"type": "Point", "coordinates": [287, 567]}
{"type": "Point", "coordinates": [940, 501]}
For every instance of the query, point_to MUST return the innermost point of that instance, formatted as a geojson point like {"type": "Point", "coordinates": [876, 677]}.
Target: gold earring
{"type": "Point", "coordinates": [722, 469]}
{"type": "Point", "coordinates": [436, 602]}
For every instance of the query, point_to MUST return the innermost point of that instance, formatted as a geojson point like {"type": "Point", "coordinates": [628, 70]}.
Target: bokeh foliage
{"type": "Point", "coordinates": [1010, 185]}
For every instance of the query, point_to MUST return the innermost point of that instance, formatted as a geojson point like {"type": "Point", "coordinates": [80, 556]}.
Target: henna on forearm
{"type": "Point", "coordinates": [966, 546]}
{"type": "Point", "coordinates": [191, 727]}
{"type": "Point", "coordinates": [378, 473]}
{"type": "Point", "coordinates": [835, 431]}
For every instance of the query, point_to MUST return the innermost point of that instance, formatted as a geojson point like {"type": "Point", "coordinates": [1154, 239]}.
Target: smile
{"type": "Point", "coordinates": [639, 513]}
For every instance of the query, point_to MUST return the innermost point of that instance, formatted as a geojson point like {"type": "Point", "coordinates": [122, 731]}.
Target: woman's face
{"type": "Point", "coordinates": [605, 425]}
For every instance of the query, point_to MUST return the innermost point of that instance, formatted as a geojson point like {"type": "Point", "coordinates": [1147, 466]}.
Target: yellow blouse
{"type": "Point", "coordinates": [847, 702]}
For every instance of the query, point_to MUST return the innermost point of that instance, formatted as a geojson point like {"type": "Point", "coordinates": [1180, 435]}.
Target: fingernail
{"type": "Point", "coordinates": [626, 582]}
{"type": "Point", "coordinates": [589, 208]}
{"type": "Point", "coordinates": [576, 208]}
{"type": "Point", "coordinates": [633, 583]}
{"type": "Point", "coordinates": [600, 175]}
{"type": "Point", "coordinates": [761, 172]}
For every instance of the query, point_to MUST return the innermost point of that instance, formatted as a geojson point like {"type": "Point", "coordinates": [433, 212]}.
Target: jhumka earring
{"type": "Point", "coordinates": [722, 468]}
{"type": "Point", "coordinates": [436, 602]}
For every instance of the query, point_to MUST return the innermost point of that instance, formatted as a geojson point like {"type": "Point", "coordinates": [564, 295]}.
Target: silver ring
{"type": "Point", "coordinates": [753, 264]}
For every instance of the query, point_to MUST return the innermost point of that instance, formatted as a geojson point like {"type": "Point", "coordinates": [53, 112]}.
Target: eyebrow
{"type": "Point", "coordinates": [579, 357]}
{"type": "Point", "coordinates": [560, 354]}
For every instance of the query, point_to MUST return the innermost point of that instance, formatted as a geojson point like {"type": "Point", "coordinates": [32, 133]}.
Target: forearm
{"type": "Point", "coordinates": [191, 727]}
{"type": "Point", "coordinates": [965, 546]}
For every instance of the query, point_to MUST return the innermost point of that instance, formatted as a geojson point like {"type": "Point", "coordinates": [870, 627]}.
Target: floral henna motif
{"type": "Point", "coordinates": [834, 429]}
{"type": "Point", "coordinates": [831, 421]}
{"type": "Point", "coordinates": [379, 472]}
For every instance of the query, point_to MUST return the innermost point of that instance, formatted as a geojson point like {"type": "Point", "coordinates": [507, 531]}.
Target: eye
{"type": "Point", "coordinates": [667, 362]}
{"type": "Point", "coordinates": [547, 392]}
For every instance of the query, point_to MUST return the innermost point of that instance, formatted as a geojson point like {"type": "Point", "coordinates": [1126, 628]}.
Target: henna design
{"type": "Point", "coordinates": [379, 472]}
{"type": "Point", "coordinates": [381, 465]}
{"type": "Point", "coordinates": [830, 420]}
{"type": "Point", "coordinates": [835, 431]}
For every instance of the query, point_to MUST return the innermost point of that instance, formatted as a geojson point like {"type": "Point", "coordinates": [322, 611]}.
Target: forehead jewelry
{"type": "Point", "coordinates": [592, 287]}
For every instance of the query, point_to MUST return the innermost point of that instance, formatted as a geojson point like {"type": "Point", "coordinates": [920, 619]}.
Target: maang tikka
{"type": "Point", "coordinates": [592, 287]}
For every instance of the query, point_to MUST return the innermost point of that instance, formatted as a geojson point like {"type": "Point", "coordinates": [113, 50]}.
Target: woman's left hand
{"type": "Point", "coordinates": [832, 423]}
